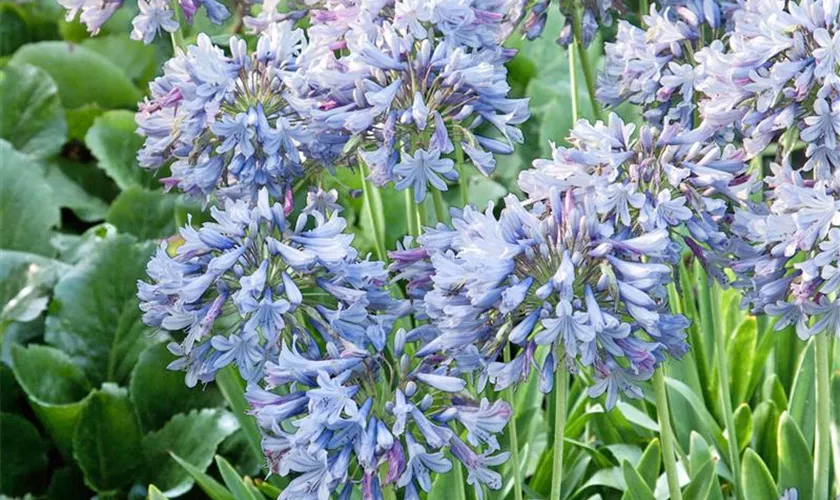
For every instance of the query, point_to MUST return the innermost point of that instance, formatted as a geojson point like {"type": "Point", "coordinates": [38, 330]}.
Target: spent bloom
{"type": "Point", "coordinates": [413, 87]}
{"type": "Point", "coordinates": [345, 418]}
{"type": "Point", "coordinates": [155, 16]}
{"type": "Point", "coordinates": [227, 123]}
{"type": "Point", "coordinates": [653, 66]}
{"type": "Point", "coordinates": [778, 78]}
{"type": "Point", "coordinates": [250, 280]}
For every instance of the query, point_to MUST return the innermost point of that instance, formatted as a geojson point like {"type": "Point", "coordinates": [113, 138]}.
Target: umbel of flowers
{"type": "Point", "coordinates": [227, 124]}
{"type": "Point", "coordinates": [250, 280]}
{"type": "Point", "coordinates": [412, 82]}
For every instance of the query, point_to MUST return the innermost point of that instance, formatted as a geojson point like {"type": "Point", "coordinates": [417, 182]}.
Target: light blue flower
{"type": "Point", "coordinates": [423, 169]}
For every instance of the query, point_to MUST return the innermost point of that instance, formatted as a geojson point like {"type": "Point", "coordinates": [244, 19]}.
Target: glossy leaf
{"type": "Point", "coordinates": [114, 142]}
{"type": "Point", "coordinates": [796, 466]}
{"type": "Point", "coordinates": [23, 454]}
{"type": "Point", "coordinates": [756, 477]}
{"type": "Point", "coordinates": [32, 119]}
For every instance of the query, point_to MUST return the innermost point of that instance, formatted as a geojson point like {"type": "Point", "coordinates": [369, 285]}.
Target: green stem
{"type": "Point", "coordinates": [460, 494]}
{"type": "Point", "coordinates": [560, 383]}
{"type": "Point", "coordinates": [177, 36]}
{"type": "Point", "coordinates": [230, 384]}
{"type": "Point", "coordinates": [822, 447]}
{"type": "Point", "coordinates": [463, 182]}
{"type": "Point", "coordinates": [588, 72]}
{"type": "Point", "coordinates": [643, 10]}
{"type": "Point", "coordinates": [516, 466]}
{"type": "Point", "coordinates": [666, 434]}
{"type": "Point", "coordinates": [716, 323]}
{"type": "Point", "coordinates": [422, 219]}
{"type": "Point", "coordinates": [367, 192]}
{"type": "Point", "coordinates": [440, 206]}
{"type": "Point", "coordinates": [573, 81]}
{"type": "Point", "coordinates": [410, 216]}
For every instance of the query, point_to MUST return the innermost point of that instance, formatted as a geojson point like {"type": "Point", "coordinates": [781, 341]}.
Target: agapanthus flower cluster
{"type": "Point", "coordinates": [593, 14]}
{"type": "Point", "coordinates": [792, 269]}
{"type": "Point", "coordinates": [413, 84]}
{"type": "Point", "coordinates": [250, 280]}
{"type": "Point", "coordinates": [653, 67]}
{"type": "Point", "coordinates": [155, 16]}
{"type": "Point", "coordinates": [340, 417]}
{"type": "Point", "coordinates": [778, 77]}
{"type": "Point", "coordinates": [227, 124]}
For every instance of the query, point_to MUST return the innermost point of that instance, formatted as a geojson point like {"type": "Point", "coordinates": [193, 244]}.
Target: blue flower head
{"type": "Point", "coordinates": [346, 417]}
{"type": "Point", "coordinates": [250, 280]}
{"type": "Point", "coordinates": [227, 124]}
{"type": "Point", "coordinates": [413, 85]}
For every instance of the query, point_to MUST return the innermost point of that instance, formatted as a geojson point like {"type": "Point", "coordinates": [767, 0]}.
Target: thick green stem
{"type": "Point", "coordinates": [666, 434]}
{"type": "Point", "coordinates": [716, 323]}
{"type": "Point", "coordinates": [177, 36]}
{"type": "Point", "coordinates": [560, 386]}
{"type": "Point", "coordinates": [230, 384]}
{"type": "Point", "coordinates": [586, 66]}
{"type": "Point", "coordinates": [410, 215]}
{"type": "Point", "coordinates": [573, 81]}
{"type": "Point", "coordinates": [440, 206]}
{"type": "Point", "coordinates": [463, 181]}
{"type": "Point", "coordinates": [422, 219]}
{"type": "Point", "coordinates": [643, 10]}
{"type": "Point", "coordinates": [822, 446]}
{"type": "Point", "coordinates": [367, 192]}
{"type": "Point", "coordinates": [515, 464]}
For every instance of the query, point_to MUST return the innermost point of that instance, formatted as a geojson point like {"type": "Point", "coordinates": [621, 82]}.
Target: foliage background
{"type": "Point", "coordinates": [88, 407]}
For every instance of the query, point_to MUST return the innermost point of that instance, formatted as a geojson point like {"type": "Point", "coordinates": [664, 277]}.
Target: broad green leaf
{"type": "Point", "coordinates": [637, 489]}
{"type": "Point", "coordinates": [213, 489]}
{"type": "Point", "coordinates": [704, 422]}
{"type": "Point", "coordinates": [741, 352]}
{"type": "Point", "coordinates": [67, 482]}
{"type": "Point", "coordinates": [637, 417]}
{"type": "Point", "coordinates": [107, 442]}
{"type": "Point", "coordinates": [193, 437]}
{"type": "Point", "coordinates": [68, 194]}
{"type": "Point", "coordinates": [796, 466]}
{"type": "Point", "coordinates": [12, 396]}
{"type": "Point", "coordinates": [743, 425]}
{"type": "Point", "coordinates": [483, 191]}
{"type": "Point", "coordinates": [82, 75]}
{"type": "Point", "coordinates": [146, 214]}
{"type": "Point", "coordinates": [766, 433]}
{"type": "Point", "coordinates": [31, 116]}
{"type": "Point", "coordinates": [137, 60]}
{"type": "Point", "coordinates": [756, 478]}
{"type": "Point", "coordinates": [26, 280]}
{"type": "Point", "coordinates": [699, 454]}
{"type": "Point", "coordinates": [94, 316]}
{"type": "Point", "coordinates": [762, 353]}
{"type": "Point", "coordinates": [803, 398]}
{"type": "Point", "coordinates": [88, 176]}
{"type": "Point", "coordinates": [28, 210]}
{"type": "Point", "coordinates": [13, 29]}
{"type": "Point", "coordinates": [158, 394]}
{"type": "Point", "coordinates": [23, 454]}
{"type": "Point", "coordinates": [233, 482]}
{"type": "Point", "coordinates": [113, 141]}
{"type": "Point", "coordinates": [55, 388]}
{"type": "Point", "coordinates": [701, 482]}
{"type": "Point", "coordinates": [774, 391]}
{"type": "Point", "coordinates": [650, 463]}
{"type": "Point", "coordinates": [79, 120]}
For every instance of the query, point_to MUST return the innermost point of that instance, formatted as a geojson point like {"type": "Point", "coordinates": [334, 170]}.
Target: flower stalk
{"type": "Point", "coordinates": [666, 433]}
{"type": "Point", "coordinates": [560, 386]}
{"type": "Point", "coordinates": [822, 441]}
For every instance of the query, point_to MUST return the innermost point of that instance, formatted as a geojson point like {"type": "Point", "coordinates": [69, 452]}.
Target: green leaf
{"type": "Point", "coordinates": [756, 478]}
{"type": "Point", "coordinates": [107, 441]}
{"type": "Point", "coordinates": [637, 488]}
{"type": "Point", "coordinates": [23, 454]}
{"type": "Point", "coordinates": [68, 194]}
{"type": "Point", "coordinates": [79, 120]}
{"type": "Point", "coordinates": [208, 485]}
{"type": "Point", "coordinates": [67, 482]}
{"type": "Point", "coordinates": [28, 211]}
{"type": "Point", "coordinates": [193, 437]}
{"type": "Point", "coordinates": [743, 425]}
{"type": "Point", "coordinates": [650, 463]}
{"type": "Point", "coordinates": [143, 213]}
{"type": "Point", "coordinates": [835, 422]}
{"type": "Point", "coordinates": [637, 417]}
{"type": "Point", "coordinates": [32, 118]}
{"type": "Point", "coordinates": [766, 433]}
{"type": "Point", "coordinates": [234, 483]}
{"type": "Point", "coordinates": [773, 391]}
{"type": "Point", "coordinates": [741, 352]}
{"type": "Point", "coordinates": [155, 494]}
{"type": "Point", "coordinates": [113, 141]}
{"type": "Point", "coordinates": [803, 398]}
{"type": "Point", "coordinates": [137, 60]}
{"type": "Point", "coordinates": [701, 482]}
{"type": "Point", "coordinates": [158, 394]}
{"type": "Point", "coordinates": [483, 190]}
{"type": "Point", "coordinates": [55, 388]}
{"type": "Point", "coordinates": [796, 466]}
{"type": "Point", "coordinates": [25, 281]}
{"type": "Point", "coordinates": [95, 316]}
{"type": "Point", "coordinates": [82, 75]}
